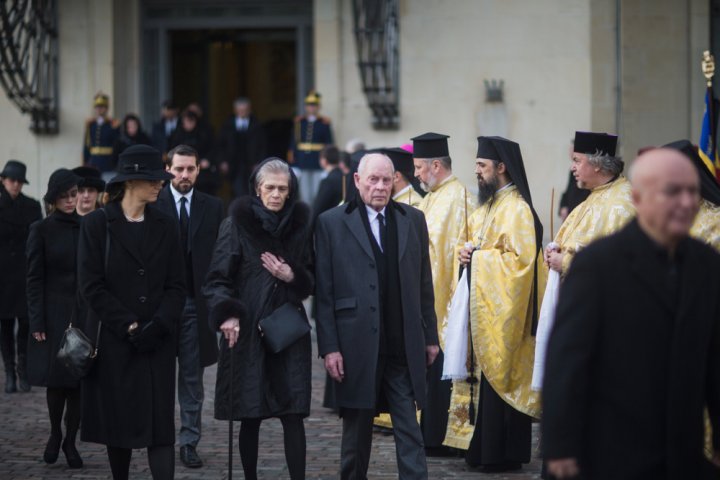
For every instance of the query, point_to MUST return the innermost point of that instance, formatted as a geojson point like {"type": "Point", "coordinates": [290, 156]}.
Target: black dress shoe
{"type": "Point", "coordinates": [189, 457]}
{"type": "Point", "coordinates": [23, 385]}
{"type": "Point", "coordinates": [52, 449]}
{"type": "Point", "coordinates": [71, 455]}
{"type": "Point", "coordinates": [10, 383]}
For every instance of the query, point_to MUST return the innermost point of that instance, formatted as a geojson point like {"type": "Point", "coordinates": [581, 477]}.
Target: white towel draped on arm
{"type": "Point", "coordinates": [545, 324]}
{"type": "Point", "coordinates": [456, 333]}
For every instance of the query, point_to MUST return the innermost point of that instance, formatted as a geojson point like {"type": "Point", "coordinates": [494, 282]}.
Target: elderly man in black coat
{"type": "Point", "coordinates": [376, 320]}
{"type": "Point", "coordinates": [634, 355]}
{"type": "Point", "coordinates": [17, 212]}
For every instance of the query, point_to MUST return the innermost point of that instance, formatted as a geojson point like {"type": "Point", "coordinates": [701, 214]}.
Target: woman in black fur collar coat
{"type": "Point", "coordinates": [262, 260]}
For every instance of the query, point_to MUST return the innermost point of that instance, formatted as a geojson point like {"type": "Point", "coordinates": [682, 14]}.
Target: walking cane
{"type": "Point", "coordinates": [230, 425]}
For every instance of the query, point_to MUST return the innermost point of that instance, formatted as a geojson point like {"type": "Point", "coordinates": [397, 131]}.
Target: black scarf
{"type": "Point", "coordinates": [274, 223]}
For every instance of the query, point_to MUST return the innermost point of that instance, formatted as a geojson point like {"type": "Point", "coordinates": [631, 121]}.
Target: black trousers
{"type": "Point", "coordinates": [10, 345]}
{"type": "Point", "coordinates": [394, 380]}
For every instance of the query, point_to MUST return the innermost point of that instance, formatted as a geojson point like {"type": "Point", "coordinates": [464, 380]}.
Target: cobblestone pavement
{"type": "Point", "coordinates": [24, 429]}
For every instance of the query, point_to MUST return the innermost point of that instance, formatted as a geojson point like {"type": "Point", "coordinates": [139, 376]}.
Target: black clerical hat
{"type": "Point", "coordinates": [709, 188]}
{"type": "Point", "coordinates": [430, 145]}
{"type": "Point", "coordinates": [591, 142]}
{"type": "Point", "coordinates": [402, 160]}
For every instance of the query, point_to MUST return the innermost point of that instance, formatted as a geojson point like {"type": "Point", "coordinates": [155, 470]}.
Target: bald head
{"type": "Point", "coordinates": [666, 194]}
{"type": "Point", "coordinates": [374, 180]}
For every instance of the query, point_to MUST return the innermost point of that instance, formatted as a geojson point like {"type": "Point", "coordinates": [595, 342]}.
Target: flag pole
{"type": "Point", "coordinates": [708, 68]}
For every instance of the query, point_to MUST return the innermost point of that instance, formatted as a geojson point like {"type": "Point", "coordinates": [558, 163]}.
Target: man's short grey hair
{"type": "Point", "coordinates": [446, 162]}
{"type": "Point", "coordinates": [354, 145]}
{"type": "Point", "coordinates": [241, 101]}
{"type": "Point", "coordinates": [275, 166]}
{"type": "Point", "coordinates": [362, 166]}
{"type": "Point", "coordinates": [607, 163]}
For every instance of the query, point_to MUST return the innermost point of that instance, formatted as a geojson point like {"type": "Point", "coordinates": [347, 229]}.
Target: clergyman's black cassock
{"type": "Point", "coordinates": [633, 358]}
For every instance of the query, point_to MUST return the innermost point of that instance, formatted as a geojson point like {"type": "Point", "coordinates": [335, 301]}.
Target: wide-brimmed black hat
{"type": "Point", "coordinates": [15, 170]}
{"type": "Point", "coordinates": [60, 182]}
{"type": "Point", "coordinates": [89, 177]}
{"type": "Point", "coordinates": [140, 162]}
{"type": "Point", "coordinates": [430, 145]}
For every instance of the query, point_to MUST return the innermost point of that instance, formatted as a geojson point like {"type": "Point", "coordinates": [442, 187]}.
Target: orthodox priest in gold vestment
{"type": "Point", "coordinates": [607, 209]}
{"type": "Point", "coordinates": [406, 188]}
{"type": "Point", "coordinates": [447, 206]}
{"type": "Point", "coordinates": [491, 410]}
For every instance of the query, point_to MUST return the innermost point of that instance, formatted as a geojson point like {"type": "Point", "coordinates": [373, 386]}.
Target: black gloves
{"type": "Point", "coordinates": [148, 336]}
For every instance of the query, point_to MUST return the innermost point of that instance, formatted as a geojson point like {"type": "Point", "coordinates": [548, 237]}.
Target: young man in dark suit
{"type": "Point", "coordinates": [199, 216]}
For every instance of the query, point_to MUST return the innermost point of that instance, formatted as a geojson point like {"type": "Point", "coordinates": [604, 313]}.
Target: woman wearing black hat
{"type": "Point", "coordinates": [262, 261]}
{"type": "Point", "coordinates": [131, 276]}
{"type": "Point", "coordinates": [51, 290]}
{"type": "Point", "coordinates": [89, 189]}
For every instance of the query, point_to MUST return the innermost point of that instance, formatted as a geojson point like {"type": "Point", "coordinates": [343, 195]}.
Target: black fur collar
{"type": "Point", "coordinates": [242, 214]}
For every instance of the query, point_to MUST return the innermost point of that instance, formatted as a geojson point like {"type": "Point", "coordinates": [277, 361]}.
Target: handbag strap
{"type": "Point", "coordinates": [107, 257]}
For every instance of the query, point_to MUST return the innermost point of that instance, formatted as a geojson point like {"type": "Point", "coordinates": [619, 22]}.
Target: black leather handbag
{"type": "Point", "coordinates": [77, 352]}
{"type": "Point", "coordinates": [284, 326]}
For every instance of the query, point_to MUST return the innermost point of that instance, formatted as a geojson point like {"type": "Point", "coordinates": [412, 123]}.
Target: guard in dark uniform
{"type": "Point", "coordinates": [101, 131]}
{"type": "Point", "coordinates": [311, 133]}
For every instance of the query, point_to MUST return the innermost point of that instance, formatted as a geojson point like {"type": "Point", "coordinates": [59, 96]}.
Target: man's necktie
{"type": "Point", "coordinates": [383, 230]}
{"type": "Point", "coordinates": [184, 224]}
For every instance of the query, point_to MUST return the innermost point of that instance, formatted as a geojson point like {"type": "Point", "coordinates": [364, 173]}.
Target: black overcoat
{"type": "Point", "coordinates": [347, 297]}
{"type": "Point", "coordinates": [242, 150]}
{"type": "Point", "coordinates": [51, 292]}
{"type": "Point", "coordinates": [129, 396]}
{"type": "Point", "coordinates": [629, 370]}
{"type": "Point", "coordinates": [206, 214]}
{"type": "Point", "coordinates": [16, 216]}
{"type": "Point", "coordinates": [265, 384]}
{"type": "Point", "coordinates": [329, 194]}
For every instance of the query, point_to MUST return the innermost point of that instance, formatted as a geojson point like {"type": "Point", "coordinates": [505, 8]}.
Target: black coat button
{"type": "Point", "coordinates": [142, 299]}
{"type": "Point", "coordinates": [374, 329]}
{"type": "Point", "coordinates": [372, 309]}
{"type": "Point", "coordinates": [372, 287]}
{"type": "Point", "coordinates": [141, 272]}
{"type": "Point", "coordinates": [372, 265]}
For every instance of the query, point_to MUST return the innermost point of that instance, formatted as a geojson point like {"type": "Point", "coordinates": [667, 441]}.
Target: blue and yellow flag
{"type": "Point", "coordinates": [708, 135]}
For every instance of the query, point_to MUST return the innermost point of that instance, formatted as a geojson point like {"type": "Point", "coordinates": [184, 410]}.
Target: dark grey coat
{"type": "Point", "coordinates": [129, 396]}
{"type": "Point", "coordinates": [51, 292]}
{"type": "Point", "coordinates": [16, 216]}
{"type": "Point", "coordinates": [265, 384]}
{"type": "Point", "coordinates": [348, 318]}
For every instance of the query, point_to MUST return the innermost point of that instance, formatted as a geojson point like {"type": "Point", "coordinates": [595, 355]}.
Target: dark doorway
{"type": "Point", "coordinates": [215, 66]}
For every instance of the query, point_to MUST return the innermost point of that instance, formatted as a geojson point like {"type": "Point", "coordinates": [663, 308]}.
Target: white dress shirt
{"type": "Point", "coordinates": [375, 223]}
{"type": "Point", "coordinates": [170, 126]}
{"type": "Point", "coordinates": [241, 123]}
{"type": "Point", "coordinates": [177, 196]}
